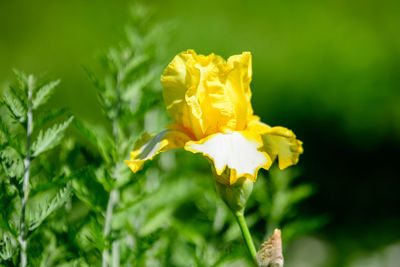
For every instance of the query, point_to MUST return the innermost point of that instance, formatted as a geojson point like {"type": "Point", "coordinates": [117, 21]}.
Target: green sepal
{"type": "Point", "coordinates": [236, 195]}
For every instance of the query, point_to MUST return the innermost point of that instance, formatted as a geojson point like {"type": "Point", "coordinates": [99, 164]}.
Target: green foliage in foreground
{"type": "Point", "coordinates": [28, 169]}
{"type": "Point", "coordinates": [86, 208]}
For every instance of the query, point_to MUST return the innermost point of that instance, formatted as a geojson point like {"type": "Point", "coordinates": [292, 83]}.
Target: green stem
{"type": "Point", "coordinates": [25, 184]}
{"type": "Point", "coordinates": [114, 195]}
{"type": "Point", "coordinates": [246, 235]}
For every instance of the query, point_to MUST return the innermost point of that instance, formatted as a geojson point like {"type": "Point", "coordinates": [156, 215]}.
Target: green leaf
{"type": "Point", "coordinates": [50, 138]}
{"type": "Point", "coordinates": [132, 65]}
{"type": "Point", "coordinates": [25, 82]}
{"type": "Point", "coordinates": [42, 212]}
{"type": "Point", "coordinates": [155, 220]}
{"type": "Point", "coordinates": [8, 246]}
{"type": "Point", "coordinates": [12, 163]}
{"type": "Point", "coordinates": [22, 79]}
{"type": "Point", "coordinates": [114, 61]}
{"type": "Point", "coordinates": [43, 93]}
{"type": "Point", "coordinates": [89, 190]}
{"type": "Point", "coordinates": [57, 181]}
{"type": "Point", "coordinates": [13, 103]}
{"type": "Point", "coordinates": [7, 130]}
{"type": "Point", "coordinates": [19, 93]}
{"type": "Point", "coordinates": [190, 231]}
{"type": "Point", "coordinates": [139, 84]}
{"type": "Point", "coordinates": [9, 207]}
{"type": "Point", "coordinates": [48, 115]}
{"type": "Point", "coordinates": [91, 236]}
{"type": "Point", "coordinates": [94, 79]}
{"type": "Point", "coordinates": [98, 137]}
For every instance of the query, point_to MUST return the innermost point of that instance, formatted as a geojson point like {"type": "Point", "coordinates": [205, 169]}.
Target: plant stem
{"type": "Point", "coordinates": [114, 195]}
{"type": "Point", "coordinates": [25, 183]}
{"type": "Point", "coordinates": [246, 235]}
{"type": "Point", "coordinates": [115, 253]}
{"type": "Point", "coordinates": [112, 201]}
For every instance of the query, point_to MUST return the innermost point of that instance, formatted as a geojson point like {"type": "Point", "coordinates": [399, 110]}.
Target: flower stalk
{"type": "Point", "coordinates": [25, 183]}
{"type": "Point", "coordinates": [235, 196]}
{"type": "Point", "coordinates": [246, 235]}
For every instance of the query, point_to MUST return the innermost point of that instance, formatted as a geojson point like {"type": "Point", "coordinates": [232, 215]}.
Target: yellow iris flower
{"type": "Point", "coordinates": [209, 100]}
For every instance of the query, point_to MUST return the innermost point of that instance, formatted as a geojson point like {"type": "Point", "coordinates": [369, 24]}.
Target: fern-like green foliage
{"type": "Point", "coordinates": [49, 138]}
{"type": "Point", "coordinates": [128, 91]}
{"type": "Point", "coordinates": [15, 105]}
{"type": "Point", "coordinates": [41, 212]}
{"type": "Point", "coordinates": [12, 163]}
{"type": "Point", "coordinates": [21, 164]}
{"type": "Point", "coordinates": [43, 93]}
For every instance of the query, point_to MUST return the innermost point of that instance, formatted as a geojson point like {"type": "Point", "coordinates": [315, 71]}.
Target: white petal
{"type": "Point", "coordinates": [235, 150]}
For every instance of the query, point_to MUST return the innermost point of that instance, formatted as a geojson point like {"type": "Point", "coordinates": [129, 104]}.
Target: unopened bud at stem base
{"type": "Point", "coordinates": [236, 195]}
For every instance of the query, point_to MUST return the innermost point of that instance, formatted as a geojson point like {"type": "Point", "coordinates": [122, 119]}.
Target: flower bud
{"type": "Point", "coordinates": [270, 253]}
{"type": "Point", "coordinates": [235, 195]}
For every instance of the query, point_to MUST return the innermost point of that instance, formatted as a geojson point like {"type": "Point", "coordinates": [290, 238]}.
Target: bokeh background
{"type": "Point", "coordinates": [329, 70]}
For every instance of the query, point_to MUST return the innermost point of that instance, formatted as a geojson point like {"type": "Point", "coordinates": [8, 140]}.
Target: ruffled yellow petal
{"type": "Point", "coordinates": [243, 66]}
{"type": "Point", "coordinates": [226, 101]}
{"type": "Point", "coordinates": [256, 126]}
{"type": "Point", "coordinates": [149, 146]}
{"type": "Point", "coordinates": [177, 77]}
{"type": "Point", "coordinates": [282, 143]}
{"type": "Point", "coordinates": [234, 155]}
{"type": "Point", "coordinates": [207, 94]}
{"type": "Point", "coordinates": [278, 142]}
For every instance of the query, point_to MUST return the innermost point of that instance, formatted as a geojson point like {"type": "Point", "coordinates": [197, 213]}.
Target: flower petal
{"type": "Point", "coordinates": [226, 101]}
{"type": "Point", "coordinates": [149, 146]}
{"type": "Point", "coordinates": [256, 126]}
{"type": "Point", "coordinates": [234, 152]}
{"type": "Point", "coordinates": [208, 94]}
{"type": "Point", "coordinates": [177, 78]}
{"type": "Point", "coordinates": [243, 63]}
{"type": "Point", "coordinates": [278, 142]}
{"type": "Point", "coordinates": [282, 143]}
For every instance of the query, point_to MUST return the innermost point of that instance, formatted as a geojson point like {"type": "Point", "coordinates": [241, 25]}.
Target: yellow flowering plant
{"type": "Point", "coordinates": [209, 100]}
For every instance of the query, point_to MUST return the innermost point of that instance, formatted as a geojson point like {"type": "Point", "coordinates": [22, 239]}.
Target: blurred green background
{"type": "Point", "coordinates": [328, 70]}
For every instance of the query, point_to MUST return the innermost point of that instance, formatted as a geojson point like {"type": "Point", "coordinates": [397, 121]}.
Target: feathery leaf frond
{"type": "Point", "coordinates": [50, 138]}
{"type": "Point", "coordinates": [43, 93]}
{"type": "Point", "coordinates": [16, 107]}
{"type": "Point", "coordinates": [38, 215]}
{"type": "Point", "coordinates": [12, 163]}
